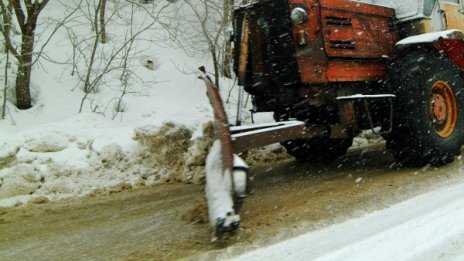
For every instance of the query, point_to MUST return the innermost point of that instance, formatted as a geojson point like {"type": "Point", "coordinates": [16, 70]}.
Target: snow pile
{"type": "Point", "coordinates": [164, 146]}
{"type": "Point", "coordinates": [195, 157]}
{"type": "Point", "coordinates": [171, 151]}
{"type": "Point", "coordinates": [57, 164]}
{"type": "Point", "coordinates": [367, 137]}
{"type": "Point", "coordinates": [45, 162]}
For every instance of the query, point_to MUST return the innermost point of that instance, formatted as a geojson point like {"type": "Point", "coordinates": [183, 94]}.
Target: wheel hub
{"type": "Point", "coordinates": [439, 110]}
{"type": "Point", "coordinates": [443, 109]}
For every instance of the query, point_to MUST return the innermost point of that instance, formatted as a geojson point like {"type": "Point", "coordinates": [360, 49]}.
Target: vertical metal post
{"type": "Point", "coordinates": [239, 106]}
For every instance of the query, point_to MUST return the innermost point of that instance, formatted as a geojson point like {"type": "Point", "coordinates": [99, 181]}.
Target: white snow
{"type": "Point", "coordinates": [219, 188]}
{"type": "Point", "coordinates": [264, 128]}
{"type": "Point", "coordinates": [239, 176]}
{"type": "Point", "coordinates": [431, 37]}
{"type": "Point", "coordinates": [426, 227]}
{"type": "Point", "coordinates": [363, 96]}
{"type": "Point", "coordinates": [52, 150]}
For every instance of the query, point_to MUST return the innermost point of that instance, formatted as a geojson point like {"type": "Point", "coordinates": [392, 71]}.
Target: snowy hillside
{"type": "Point", "coordinates": [52, 151]}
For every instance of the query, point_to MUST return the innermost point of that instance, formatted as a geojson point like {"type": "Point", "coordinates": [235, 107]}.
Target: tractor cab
{"type": "Point", "coordinates": [425, 16]}
{"type": "Point", "coordinates": [452, 14]}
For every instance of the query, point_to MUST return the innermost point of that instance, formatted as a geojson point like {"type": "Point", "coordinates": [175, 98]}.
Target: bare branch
{"type": "Point", "coordinates": [58, 26]}
{"type": "Point", "coordinates": [19, 14]}
{"type": "Point", "coordinates": [43, 4]}
{"type": "Point", "coordinates": [5, 31]}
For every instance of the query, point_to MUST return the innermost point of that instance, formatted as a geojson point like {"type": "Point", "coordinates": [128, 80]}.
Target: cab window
{"type": "Point", "coordinates": [428, 6]}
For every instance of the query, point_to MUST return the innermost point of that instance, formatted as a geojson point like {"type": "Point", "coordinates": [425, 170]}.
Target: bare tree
{"type": "Point", "coordinates": [26, 14]}
{"type": "Point", "coordinates": [87, 84]}
{"type": "Point", "coordinates": [102, 5]}
{"type": "Point", "coordinates": [27, 23]}
{"type": "Point", "coordinates": [5, 87]}
{"type": "Point", "coordinates": [227, 53]}
{"type": "Point", "coordinates": [6, 19]}
{"type": "Point", "coordinates": [100, 62]}
{"type": "Point", "coordinates": [210, 18]}
{"type": "Point", "coordinates": [126, 72]}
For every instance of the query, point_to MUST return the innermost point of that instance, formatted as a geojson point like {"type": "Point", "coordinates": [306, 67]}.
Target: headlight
{"type": "Point", "coordinates": [298, 16]}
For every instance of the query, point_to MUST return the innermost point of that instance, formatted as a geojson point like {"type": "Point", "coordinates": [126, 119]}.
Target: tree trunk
{"type": "Point", "coordinates": [102, 21]}
{"type": "Point", "coordinates": [227, 59]}
{"type": "Point", "coordinates": [7, 66]}
{"type": "Point", "coordinates": [7, 23]}
{"type": "Point", "coordinates": [26, 14]}
{"type": "Point", "coordinates": [23, 94]}
{"type": "Point", "coordinates": [23, 78]}
{"type": "Point", "coordinates": [216, 66]}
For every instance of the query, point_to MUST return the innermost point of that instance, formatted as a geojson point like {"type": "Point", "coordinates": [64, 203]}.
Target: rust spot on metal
{"type": "Point", "coordinates": [221, 124]}
{"type": "Point", "coordinates": [244, 50]}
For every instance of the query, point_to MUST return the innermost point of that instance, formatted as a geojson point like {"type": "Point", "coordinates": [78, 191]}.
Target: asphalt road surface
{"type": "Point", "coordinates": [169, 222]}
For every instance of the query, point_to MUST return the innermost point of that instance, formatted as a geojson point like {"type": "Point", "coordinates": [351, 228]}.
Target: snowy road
{"type": "Point", "coordinates": [360, 207]}
{"type": "Point", "coordinates": [426, 227]}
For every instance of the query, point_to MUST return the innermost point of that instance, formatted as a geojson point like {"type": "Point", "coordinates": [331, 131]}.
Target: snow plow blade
{"type": "Point", "coordinates": [226, 173]}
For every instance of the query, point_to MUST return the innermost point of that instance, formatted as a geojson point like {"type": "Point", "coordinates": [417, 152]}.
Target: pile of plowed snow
{"type": "Point", "coordinates": [55, 163]}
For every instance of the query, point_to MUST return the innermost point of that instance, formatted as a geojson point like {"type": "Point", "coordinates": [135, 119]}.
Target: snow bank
{"type": "Point", "coordinates": [53, 163]}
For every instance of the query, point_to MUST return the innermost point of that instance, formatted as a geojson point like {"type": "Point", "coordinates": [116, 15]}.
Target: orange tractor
{"type": "Point", "coordinates": [329, 69]}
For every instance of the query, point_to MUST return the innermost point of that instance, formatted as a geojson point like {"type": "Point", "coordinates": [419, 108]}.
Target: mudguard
{"type": "Point", "coordinates": [450, 42]}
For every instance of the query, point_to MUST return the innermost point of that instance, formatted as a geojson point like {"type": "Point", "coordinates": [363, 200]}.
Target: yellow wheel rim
{"type": "Point", "coordinates": [443, 109]}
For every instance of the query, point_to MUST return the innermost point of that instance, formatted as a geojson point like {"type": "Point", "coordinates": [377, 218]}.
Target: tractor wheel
{"type": "Point", "coordinates": [317, 149]}
{"type": "Point", "coordinates": [429, 110]}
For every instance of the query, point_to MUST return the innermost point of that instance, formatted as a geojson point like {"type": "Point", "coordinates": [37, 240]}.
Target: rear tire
{"type": "Point", "coordinates": [429, 110]}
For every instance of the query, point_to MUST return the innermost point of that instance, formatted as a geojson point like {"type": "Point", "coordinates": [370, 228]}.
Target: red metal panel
{"type": "Point", "coordinates": [343, 29]}
{"type": "Point", "coordinates": [454, 48]}
{"type": "Point", "coordinates": [351, 71]}
{"type": "Point", "coordinates": [356, 31]}
{"type": "Point", "coordinates": [358, 7]}
{"type": "Point", "coordinates": [312, 59]}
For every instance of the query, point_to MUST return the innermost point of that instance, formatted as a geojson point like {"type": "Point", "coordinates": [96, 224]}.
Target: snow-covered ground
{"type": "Point", "coordinates": [52, 151]}
{"type": "Point", "coordinates": [426, 227]}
